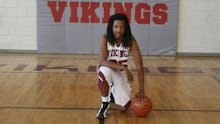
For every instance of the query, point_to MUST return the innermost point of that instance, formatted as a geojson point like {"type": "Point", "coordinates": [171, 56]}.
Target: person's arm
{"type": "Point", "coordinates": [139, 65]}
{"type": "Point", "coordinates": [104, 55]}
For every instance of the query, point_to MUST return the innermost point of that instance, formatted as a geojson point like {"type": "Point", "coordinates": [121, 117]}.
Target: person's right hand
{"type": "Point", "coordinates": [128, 74]}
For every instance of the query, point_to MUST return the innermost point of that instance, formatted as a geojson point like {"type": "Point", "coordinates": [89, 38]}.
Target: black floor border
{"type": "Point", "coordinates": [79, 108]}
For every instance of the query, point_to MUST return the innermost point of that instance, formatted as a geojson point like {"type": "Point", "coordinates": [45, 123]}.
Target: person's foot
{"type": "Point", "coordinates": [125, 108]}
{"type": "Point", "coordinates": [103, 111]}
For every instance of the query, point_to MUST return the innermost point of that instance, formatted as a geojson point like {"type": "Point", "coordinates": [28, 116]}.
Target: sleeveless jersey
{"type": "Point", "coordinates": [118, 54]}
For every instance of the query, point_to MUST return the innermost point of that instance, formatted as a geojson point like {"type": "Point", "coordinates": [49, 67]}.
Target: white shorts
{"type": "Point", "coordinates": [118, 83]}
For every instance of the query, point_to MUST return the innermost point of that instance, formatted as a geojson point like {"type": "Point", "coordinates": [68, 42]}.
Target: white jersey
{"type": "Point", "coordinates": [120, 87]}
{"type": "Point", "coordinates": [118, 54]}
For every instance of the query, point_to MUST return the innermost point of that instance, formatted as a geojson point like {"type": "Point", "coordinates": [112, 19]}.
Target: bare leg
{"type": "Point", "coordinates": [105, 88]}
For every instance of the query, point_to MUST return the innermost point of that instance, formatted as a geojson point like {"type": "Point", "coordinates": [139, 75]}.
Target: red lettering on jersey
{"type": "Point", "coordinates": [114, 52]}
{"type": "Point", "coordinates": [123, 62]}
{"type": "Point", "coordinates": [123, 53]}
{"type": "Point", "coordinates": [114, 61]}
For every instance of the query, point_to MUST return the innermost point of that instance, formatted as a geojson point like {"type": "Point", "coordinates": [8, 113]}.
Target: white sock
{"type": "Point", "coordinates": [105, 99]}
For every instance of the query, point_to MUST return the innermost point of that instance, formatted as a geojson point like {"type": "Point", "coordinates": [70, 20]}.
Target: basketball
{"type": "Point", "coordinates": [141, 108]}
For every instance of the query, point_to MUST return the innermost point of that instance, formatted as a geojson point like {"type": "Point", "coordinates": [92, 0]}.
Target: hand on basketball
{"type": "Point", "coordinates": [129, 74]}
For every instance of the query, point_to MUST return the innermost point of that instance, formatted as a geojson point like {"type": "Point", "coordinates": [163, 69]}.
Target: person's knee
{"type": "Point", "coordinates": [106, 72]}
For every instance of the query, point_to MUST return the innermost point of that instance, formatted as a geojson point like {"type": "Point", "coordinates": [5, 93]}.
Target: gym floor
{"type": "Point", "coordinates": [55, 89]}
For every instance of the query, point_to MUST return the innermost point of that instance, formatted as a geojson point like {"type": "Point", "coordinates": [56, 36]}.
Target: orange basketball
{"type": "Point", "coordinates": [141, 108]}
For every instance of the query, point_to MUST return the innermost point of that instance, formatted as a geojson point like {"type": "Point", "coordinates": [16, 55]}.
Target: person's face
{"type": "Point", "coordinates": [118, 28]}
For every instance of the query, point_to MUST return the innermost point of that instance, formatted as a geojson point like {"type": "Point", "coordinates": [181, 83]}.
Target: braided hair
{"type": "Point", "coordinates": [127, 36]}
